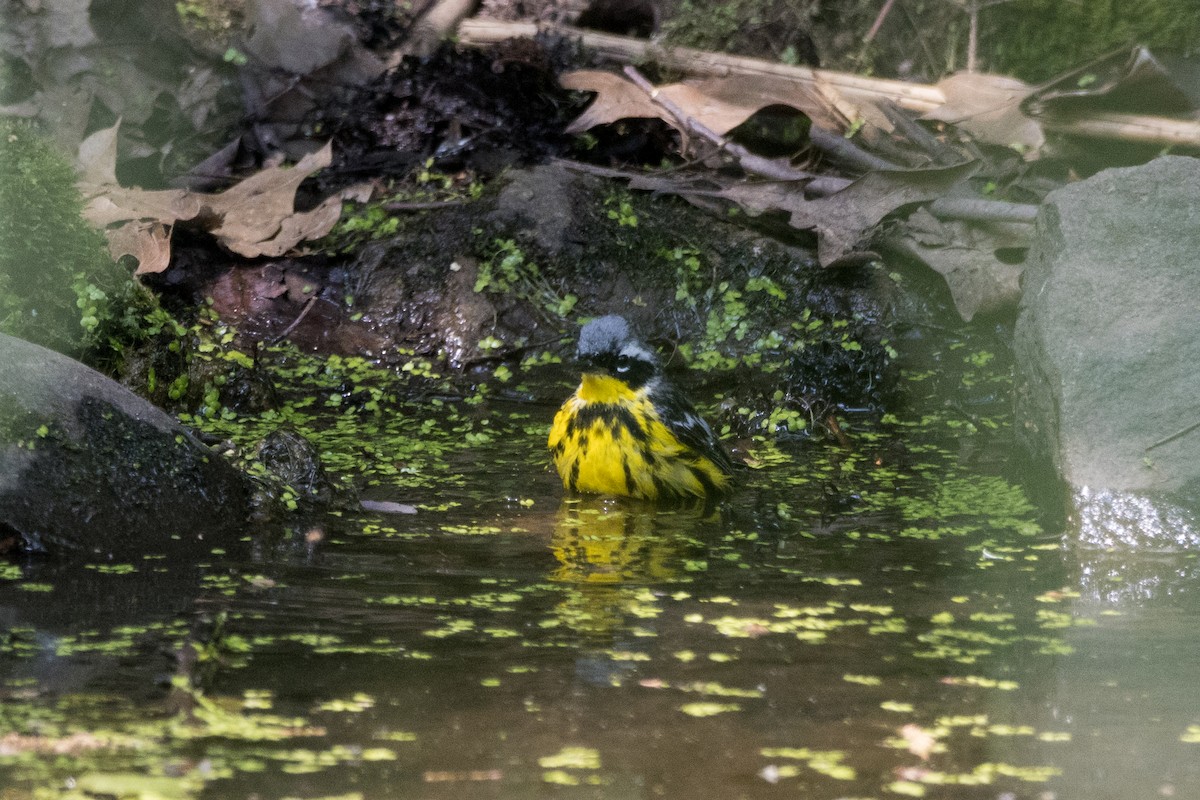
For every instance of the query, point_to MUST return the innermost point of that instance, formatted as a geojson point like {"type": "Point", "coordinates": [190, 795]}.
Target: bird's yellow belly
{"type": "Point", "coordinates": [622, 448]}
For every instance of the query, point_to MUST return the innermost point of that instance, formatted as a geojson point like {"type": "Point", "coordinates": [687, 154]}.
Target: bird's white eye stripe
{"type": "Point", "coordinates": [636, 353]}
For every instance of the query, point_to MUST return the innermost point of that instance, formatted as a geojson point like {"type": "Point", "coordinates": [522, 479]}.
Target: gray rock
{"type": "Point", "coordinates": [1108, 348]}
{"type": "Point", "coordinates": [541, 198]}
{"type": "Point", "coordinates": [86, 465]}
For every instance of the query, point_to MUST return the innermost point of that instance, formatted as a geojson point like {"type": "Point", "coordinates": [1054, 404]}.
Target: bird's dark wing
{"type": "Point", "coordinates": [681, 419]}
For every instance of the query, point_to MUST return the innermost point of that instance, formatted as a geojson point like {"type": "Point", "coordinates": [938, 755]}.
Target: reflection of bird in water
{"type": "Point", "coordinates": [609, 549]}
{"type": "Point", "coordinates": [602, 541]}
{"type": "Point", "coordinates": [627, 431]}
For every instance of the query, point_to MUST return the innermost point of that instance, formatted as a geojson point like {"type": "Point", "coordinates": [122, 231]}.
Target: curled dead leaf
{"type": "Point", "coordinates": [256, 217]}
{"type": "Point", "coordinates": [616, 99]}
{"type": "Point", "coordinates": [844, 218]}
{"type": "Point", "coordinates": [148, 242]}
{"type": "Point", "coordinates": [989, 108]}
{"type": "Point", "coordinates": [97, 158]}
{"type": "Point", "coordinates": [254, 211]}
{"type": "Point", "coordinates": [967, 257]}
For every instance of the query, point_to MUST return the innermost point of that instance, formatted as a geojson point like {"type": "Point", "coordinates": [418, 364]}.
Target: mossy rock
{"type": "Point", "coordinates": [87, 466]}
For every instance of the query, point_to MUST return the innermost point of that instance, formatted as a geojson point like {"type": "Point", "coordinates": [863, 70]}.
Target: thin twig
{"type": "Point", "coordinates": [1175, 435]}
{"type": "Point", "coordinates": [422, 206]}
{"type": "Point", "coordinates": [658, 175]}
{"type": "Point", "coordinates": [597, 170]}
{"type": "Point", "coordinates": [512, 352]}
{"type": "Point", "coordinates": [883, 12]}
{"type": "Point", "coordinates": [914, 133]}
{"type": "Point", "coordinates": [303, 313]}
{"type": "Point", "coordinates": [972, 35]}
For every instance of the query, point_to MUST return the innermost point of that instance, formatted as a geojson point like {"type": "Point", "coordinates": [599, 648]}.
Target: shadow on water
{"type": "Point", "coordinates": [891, 621]}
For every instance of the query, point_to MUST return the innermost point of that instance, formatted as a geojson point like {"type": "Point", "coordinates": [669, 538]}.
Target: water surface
{"type": "Point", "coordinates": [889, 619]}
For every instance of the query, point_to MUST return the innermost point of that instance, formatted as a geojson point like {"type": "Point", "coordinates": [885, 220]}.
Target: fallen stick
{"type": "Point", "coordinates": [1142, 128]}
{"type": "Point", "coordinates": [970, 209]}
{"type": "Point", "coordinates": [846, 152]}
{"type": "Point", "coordinates": [918, 97]}
{"type": "Point", "coordinates": [978, 209]}
{"type": "Point", "coordinates": [1163, 131]}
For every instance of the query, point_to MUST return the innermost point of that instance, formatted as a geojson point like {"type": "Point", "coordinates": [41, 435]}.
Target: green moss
{"type": "Point", "coordinates": [1037, 39]}
{"type": "Point", "coordinates": [355, 415]}
{"type": "Point", "coordinates": [58, 286]}
{"type": "Point", "coordinates": [1032, 39]}
{"type": "Point", "coordinates": [361, 223]}
{"type": "Point", "coordinates": [507, 270]}
{"type": "Point", "coordinates": [756, 27]}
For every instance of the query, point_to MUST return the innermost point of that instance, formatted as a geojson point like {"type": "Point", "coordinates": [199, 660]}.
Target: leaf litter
{"type": "Point", "coordinates": [841, 213]}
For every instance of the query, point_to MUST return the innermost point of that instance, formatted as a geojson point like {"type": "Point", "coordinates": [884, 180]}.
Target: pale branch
{"type": "Point", "coordinates": [1172, 437]}
{"type": "Point", "coordinates": [1142, 128]}
{"type": "Point", "coordinates": [914, 96]}
{"type": "Point", "coordinates": [977, 209]}
{"type": "Point", "coordinates": [428, 205]}
{"type": "Point", "coordinates": [1163, 131]}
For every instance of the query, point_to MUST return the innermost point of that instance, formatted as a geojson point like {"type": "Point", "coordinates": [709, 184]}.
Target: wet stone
{"type": "Point", "coordinates": [1106, 351]}
{"type": "Point", "coordinates": [86, 465]}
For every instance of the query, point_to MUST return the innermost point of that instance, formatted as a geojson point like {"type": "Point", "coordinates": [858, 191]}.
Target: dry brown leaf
{"type": "Point", "coordinates": [256, 217]}
{"type": "Point", "coordinates": [989, 108]}
{"type": "Point", "coordinates": [253, 211]}
{"type": "Point", "coordinates": [742, 96]}
{"type": "Point", "coordinates": [148, 242]}
{"type": "Point", "coordinates": [721, 104]}
{"type": "Point", "coordinates": [843, 219]}
{"type": "Point", "coordinates": [719, 115]}
{"type": "Point", "coordinates": [298, 227]}
{"type": "Point", "coordinates": [965, 256]}
{"type": "Point", "coordinates": [118, 204]}
{"type": "Point", "coordinates": [616, 99]}
{"type": "Point", "coordinates": [1137, 82]}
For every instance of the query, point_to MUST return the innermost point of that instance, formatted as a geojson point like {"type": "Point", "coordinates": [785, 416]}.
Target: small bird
{"type": "Point", "coordinates": [627, 431]}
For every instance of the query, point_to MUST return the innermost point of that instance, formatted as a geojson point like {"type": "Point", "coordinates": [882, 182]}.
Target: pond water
{"type": "Point", "coordinates": [892, 618]}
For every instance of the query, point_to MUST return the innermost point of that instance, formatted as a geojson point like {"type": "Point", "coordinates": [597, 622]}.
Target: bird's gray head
{"type": "Point", "coordinates": [607, 344]}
